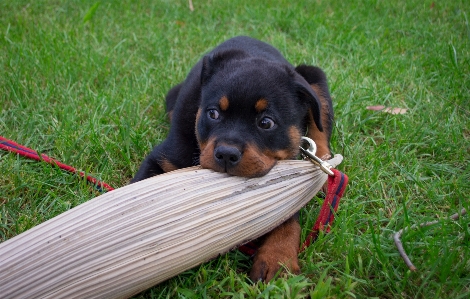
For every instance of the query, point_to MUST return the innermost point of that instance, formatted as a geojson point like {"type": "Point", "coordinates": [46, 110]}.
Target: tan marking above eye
{"type": "Point", "coordinates": [223, 103]}
{"type": "Point", "coordinates": [261, 105]}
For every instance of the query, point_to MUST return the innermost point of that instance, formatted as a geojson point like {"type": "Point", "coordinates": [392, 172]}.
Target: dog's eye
{"type": "Point", "coordinates": [266, 123]}
{"type": "Point", "coordinates": [212, 113]}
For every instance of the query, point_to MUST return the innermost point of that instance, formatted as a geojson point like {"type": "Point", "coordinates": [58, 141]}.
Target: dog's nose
{"type": "Point", "coordinates": [227, 156]}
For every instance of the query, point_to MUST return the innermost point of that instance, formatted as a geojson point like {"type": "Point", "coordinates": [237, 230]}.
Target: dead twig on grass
{"type": "Point", "coordinates": [397, 235]}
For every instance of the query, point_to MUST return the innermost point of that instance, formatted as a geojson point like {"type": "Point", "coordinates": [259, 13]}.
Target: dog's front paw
{"type": "Point", "coordinates": [268, 261]}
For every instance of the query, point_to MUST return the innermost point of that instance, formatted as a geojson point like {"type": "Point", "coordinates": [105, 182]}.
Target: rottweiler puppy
{"type": "Point", "coordinates": [242, 108]}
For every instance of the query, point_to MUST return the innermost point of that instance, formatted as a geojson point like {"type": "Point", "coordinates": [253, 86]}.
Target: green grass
{"type": "Point", "coordinates": [85, 83]}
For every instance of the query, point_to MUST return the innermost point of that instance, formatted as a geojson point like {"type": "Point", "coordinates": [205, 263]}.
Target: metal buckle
{"type": "Point", "coordinates": [310, 155]}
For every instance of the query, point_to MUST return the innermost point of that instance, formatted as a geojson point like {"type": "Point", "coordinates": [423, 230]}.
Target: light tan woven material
{"type": "Point", "coordinates": [129, 239]}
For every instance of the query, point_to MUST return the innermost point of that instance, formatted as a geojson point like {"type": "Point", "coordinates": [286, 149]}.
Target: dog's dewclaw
{"type": "Point", "coordinates": [129, 239]}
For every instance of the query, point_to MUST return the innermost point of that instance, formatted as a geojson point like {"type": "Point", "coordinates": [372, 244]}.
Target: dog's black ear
{"type": "Point", "coordinates": [308, 95]}
{"type": "Point", "coordinates": [213, 62]}
{"type": "Point", "coordinates": [313, 75]}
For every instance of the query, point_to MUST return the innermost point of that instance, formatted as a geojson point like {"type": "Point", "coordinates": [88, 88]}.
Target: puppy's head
{"type": "Point", "coordinates": [252, 113]}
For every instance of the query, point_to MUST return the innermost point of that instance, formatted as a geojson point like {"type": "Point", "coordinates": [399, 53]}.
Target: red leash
{"type": "Point", "coordinates": [14, 147]}
{"type": "Point", "coordinates": [336, 186]}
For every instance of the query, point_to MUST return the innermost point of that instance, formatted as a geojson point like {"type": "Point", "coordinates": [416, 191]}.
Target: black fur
{"type": "Point", "coordinates": [244, 70]}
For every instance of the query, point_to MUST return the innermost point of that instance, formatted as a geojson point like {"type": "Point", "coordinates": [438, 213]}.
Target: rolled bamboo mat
{"type": "Point", "coordinates": [127, 240]}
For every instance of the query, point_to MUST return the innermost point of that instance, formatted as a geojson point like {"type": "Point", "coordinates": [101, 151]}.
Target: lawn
{"type": "Point", "coordinates": [84, 82]}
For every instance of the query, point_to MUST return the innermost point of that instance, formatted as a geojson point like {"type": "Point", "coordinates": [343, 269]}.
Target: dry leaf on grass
{"type": "Point", "coordinates": [387, 109]}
